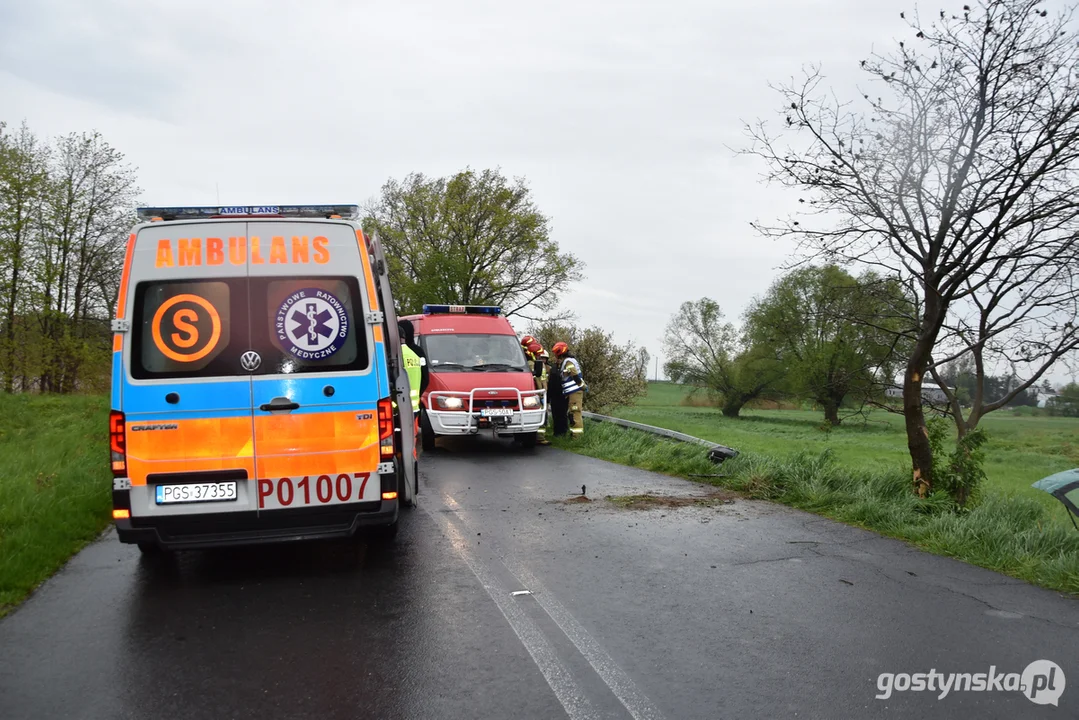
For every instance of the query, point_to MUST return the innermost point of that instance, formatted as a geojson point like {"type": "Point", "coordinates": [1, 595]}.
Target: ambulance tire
{"type": "Point", "coordinates": [427, 433]}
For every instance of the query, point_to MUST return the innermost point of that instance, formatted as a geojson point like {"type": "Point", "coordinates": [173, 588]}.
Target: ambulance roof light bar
{"type": "Point", "coordinates": [463, 309]}
{"type": "Point", "coordinates": [149, 214]}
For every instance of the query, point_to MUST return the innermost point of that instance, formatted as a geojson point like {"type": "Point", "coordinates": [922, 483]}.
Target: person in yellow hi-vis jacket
{"type": "Point", "coordinates": [415, 368]}
{"type": "Point", "coordinates": [573, 387]}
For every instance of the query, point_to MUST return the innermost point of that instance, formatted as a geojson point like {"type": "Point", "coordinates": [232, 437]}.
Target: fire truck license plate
{"type": "Point", "coordinates": [195, 492]}
{"type": "Point", "coordinates": [496, 412]}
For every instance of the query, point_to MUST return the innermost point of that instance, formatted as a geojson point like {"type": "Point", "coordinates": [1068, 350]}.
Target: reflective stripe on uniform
{"type": "Point", "coordinates": [569, 384]}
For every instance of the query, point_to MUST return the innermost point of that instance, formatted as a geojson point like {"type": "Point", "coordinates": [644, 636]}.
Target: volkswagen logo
{"type": "Point", "coordinates": [250, 361]}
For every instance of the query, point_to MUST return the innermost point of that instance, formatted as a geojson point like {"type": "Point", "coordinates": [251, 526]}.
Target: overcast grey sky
{"type": "Point", "coordinates": [618, 112]}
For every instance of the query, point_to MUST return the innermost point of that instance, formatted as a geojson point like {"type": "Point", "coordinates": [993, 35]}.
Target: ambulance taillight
{"type": "Point", "coordinates": [117, 443]}
{"type": "Point", "coordinates": [385, 429]}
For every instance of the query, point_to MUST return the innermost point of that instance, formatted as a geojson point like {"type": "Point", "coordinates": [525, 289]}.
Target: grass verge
{"type": "Point", "coordinates": [54, 490]}
{"type": "Point", "coordinates": [1005, 532]}
{"type": "Point", "coordinates": [1021, 449]}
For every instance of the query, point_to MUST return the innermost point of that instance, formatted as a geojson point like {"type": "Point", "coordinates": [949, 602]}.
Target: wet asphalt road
{"type": "Point", "coordinates": [745, 610]}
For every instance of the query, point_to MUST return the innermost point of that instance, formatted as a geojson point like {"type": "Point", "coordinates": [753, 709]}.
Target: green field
{"type": "Point", "coordinates": [54, 490]}
{"type": "Point", "coordinates": [1021, 449]}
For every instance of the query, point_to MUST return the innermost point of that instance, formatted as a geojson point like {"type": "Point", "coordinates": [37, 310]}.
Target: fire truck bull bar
{"type": "Point", "coordinates": [465, 420]}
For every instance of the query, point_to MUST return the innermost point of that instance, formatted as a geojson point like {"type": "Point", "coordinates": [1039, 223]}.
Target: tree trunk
{"type": "Point", "coordinates": [732, 407]}
{"type": "Point", "coordinates": [12, 299]}
{"type": "Point", "coordinates": [921, 454]}
{"type": "Point", "coordinates": [831, 413]}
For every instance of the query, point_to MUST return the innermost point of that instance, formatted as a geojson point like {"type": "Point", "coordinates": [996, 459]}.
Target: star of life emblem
{"type": "Point", "coordinates": [311, 324]}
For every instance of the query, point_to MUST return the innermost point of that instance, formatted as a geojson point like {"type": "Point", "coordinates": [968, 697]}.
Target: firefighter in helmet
{"type": "Point", "coordinates": [537, 365]}
{"type": "Point", "coordinates": [538, 359]}
{"type": "Point", "coordinates": [573, 388]}
{"type": "Point", "coordinates": [532, 350]}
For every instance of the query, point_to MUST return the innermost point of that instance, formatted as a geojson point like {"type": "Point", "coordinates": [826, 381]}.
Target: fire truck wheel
{"type": "Point", "coordinates": [427, 433]}
{"type": "Point", "coordinates": [527, 440]}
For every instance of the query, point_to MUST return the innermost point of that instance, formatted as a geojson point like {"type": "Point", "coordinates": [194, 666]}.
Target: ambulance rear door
{"type": "Point", "coordinates": [186, 395]}
{"type": "Point", "coordinates": [317, 385]}
{"type": "Point", "coordinates": [410, 466]}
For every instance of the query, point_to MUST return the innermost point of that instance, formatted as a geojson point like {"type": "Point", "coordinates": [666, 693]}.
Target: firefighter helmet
{"type": "Point", "coordinates": [560, 348]}
{"type": "Point", "coordinates": [527, 340]}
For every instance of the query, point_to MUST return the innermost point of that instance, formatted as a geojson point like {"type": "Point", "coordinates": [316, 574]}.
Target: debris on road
{"type": "Point", "coordinates": [649, 501]}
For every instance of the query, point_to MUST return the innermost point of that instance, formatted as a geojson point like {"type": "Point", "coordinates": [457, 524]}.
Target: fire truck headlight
{"type": "Point", "coordinates": [450, 403]}
{"type": "Point", "coordinates": [530, 401]}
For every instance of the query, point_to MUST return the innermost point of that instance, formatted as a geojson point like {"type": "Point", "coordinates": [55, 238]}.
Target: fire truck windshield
{"type": "Point", "coordinates": [473, 353]}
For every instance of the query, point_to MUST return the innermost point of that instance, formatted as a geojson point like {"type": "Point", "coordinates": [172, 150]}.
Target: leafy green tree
{"type": "Point", "coordinates": [23, 182]}
{"type": "Point", "coordinates": [1067, 402]}
{"type": "Point", "coordinates": [470, 239]}
{"type": "Point", "coordinates": [705, 351]}
{"type": "Point", "coordinates": [836, 336]}
{"type": "Point", "coordinates": [79, 252]}
{"type": "Point", "coordinates": [616, 373]}
{"type": "Point", "coordinates": [65, 211]}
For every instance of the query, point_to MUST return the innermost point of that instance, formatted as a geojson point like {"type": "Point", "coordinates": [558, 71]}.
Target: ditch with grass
{"type": "Point", "coordinates": [858, 473]}
{"type": "Point", "coordinates": [55, 488]}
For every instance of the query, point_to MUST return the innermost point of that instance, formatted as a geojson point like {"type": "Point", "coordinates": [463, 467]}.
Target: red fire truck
{"type": "Point", "coordinates": [479, 377]}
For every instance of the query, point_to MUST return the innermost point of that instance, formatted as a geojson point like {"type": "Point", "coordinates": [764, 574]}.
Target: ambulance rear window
{"type": "Point", "coordinates": [312, 324]}
{"type": "Point", "coordinates": [201, 328]}
{"type": "Point", "coordinates": [183, 328]}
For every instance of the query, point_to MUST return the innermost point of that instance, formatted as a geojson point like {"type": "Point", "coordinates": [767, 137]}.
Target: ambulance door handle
{"type": "Point", "coordinates": [279, 403]}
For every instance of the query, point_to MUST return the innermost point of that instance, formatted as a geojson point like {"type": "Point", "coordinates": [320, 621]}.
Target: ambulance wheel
{"type": "Point", "coordinates": [427, 433]}
{"type": "Point", "coordinates": [527, 440]}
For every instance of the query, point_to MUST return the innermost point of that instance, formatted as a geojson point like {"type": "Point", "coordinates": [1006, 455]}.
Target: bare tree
{"type": "Point", "coordinates": [962, 182]}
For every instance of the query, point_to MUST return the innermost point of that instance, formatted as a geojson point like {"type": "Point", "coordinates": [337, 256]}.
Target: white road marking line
{"type": "Point", "coordinates": [632, 698]}
{"type": "Point", "coordinates": [557, 675]}
{"type": "Point", "coordinates": [621, 685]}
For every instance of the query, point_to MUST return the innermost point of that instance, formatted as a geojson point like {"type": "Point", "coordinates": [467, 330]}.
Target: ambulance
{"type": "Point", "coordinates": [258, 387]}
{"type": "Point", "coordinates": [479, 377]}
